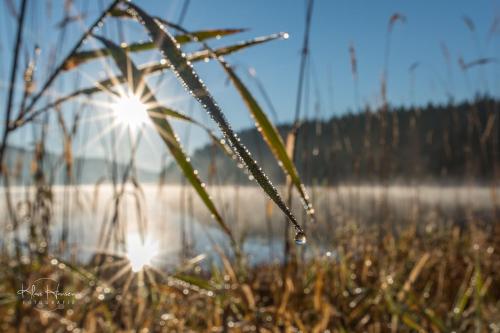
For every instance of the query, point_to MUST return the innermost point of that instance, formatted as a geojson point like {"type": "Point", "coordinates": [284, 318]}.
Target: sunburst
{"type": "Point", "coordinates": [140, 252]}
{"type": "Point", "coordinates": [130, 111]}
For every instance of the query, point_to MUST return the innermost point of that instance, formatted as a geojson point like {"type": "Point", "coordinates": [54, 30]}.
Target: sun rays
{"type": "Point", "coordinates": [130, 269]}
{"type": "Point", "coordinates": [131, 112]}
{"type": "Point", "coordinates": [140, 253]}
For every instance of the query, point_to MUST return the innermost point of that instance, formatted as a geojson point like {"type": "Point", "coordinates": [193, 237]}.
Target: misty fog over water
{"type": "Point", "coordinates": [248, 214]}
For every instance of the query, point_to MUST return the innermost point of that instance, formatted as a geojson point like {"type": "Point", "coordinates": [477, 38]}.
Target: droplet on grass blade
{"type": "Point", "coordinates": [300, 238]}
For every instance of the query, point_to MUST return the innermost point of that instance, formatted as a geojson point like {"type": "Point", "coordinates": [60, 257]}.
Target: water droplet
{"type": "Point", "coordinates": [300, 238]}
{"type": "Point", "coordinates": [166, 316]}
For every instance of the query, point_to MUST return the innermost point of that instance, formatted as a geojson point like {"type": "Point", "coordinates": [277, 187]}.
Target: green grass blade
{"type": "Point", "coordinates": [164, 128]}
{"type": "Point", "coordinates": [177, 115]}
{"type": "Point", "coordinates": [203, 35]}
{"type": "Point", "coordinates": [207, 54]}
{"type": "Point", "coordinates": [186, 74]}
{"type": "Point", "coordinates": [148, 69]}
{"type": "Point", "coordinates": [270, 134]}
{"type": "Point", "coordinates": [198, 36]}
{"type": "Point", "coordinates": [121, 13]}
{"type": "Point", "coordinates": [195, 281]}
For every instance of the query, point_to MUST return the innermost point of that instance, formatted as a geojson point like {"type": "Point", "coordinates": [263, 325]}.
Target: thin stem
{"type": "Point", "coordinates": [13, 77]}
{"type": "Point", "coordinates": [305, 53]}
{"type": "Point", "coordinates": [183, 12]}
{"type": "Point", "coordinates": [295, 127]}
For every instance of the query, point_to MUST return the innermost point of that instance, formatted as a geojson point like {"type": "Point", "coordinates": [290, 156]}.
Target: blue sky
{"type": "Point", "coordinates": [336, 24]}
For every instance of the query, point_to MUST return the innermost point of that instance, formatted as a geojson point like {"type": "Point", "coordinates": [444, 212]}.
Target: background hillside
{"type": "Point", "coordinates": [438, 143]}
{"type": "Point", "coordinates": [86, 170]}
{"type": "Point", "coordinates": [445, 143]}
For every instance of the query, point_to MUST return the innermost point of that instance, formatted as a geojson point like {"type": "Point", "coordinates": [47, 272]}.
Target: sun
{"type": "Point", "coordinates": [130, 111]}
{"type": "Point", "coordinates": [140, 253]}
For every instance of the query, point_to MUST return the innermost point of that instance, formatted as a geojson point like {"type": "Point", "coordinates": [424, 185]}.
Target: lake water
{"type": "Point", "coordinates": [245, 209]}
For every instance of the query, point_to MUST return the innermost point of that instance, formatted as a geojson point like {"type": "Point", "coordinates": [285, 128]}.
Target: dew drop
{"type": "Point", "coordinates": [300, 238]}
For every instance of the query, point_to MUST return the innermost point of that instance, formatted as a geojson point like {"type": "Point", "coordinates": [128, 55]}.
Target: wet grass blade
{"type": "Point", "coordinates": [207, 54]}
{"type": "Point", "coordinates": [177, 115]}
{"type": "Point", "coordinates": [271, 135]}
{"type": "Point", "coordinates": [164, 128]}
{"type": "Point", "coordinates": [121, 13]}
{"type": "Point", "coordinates": [148, 69]}
{"type": "Point", "coordinates": [194, 281]}
{"type": "Point", "coordinates": [202, 35]}
{"type": "Point", "coordinates": [186, 74]}
{"type": "Point", "coordinates": [198, 36]}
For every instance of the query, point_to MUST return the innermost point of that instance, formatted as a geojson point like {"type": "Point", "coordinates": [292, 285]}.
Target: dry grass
{"type": "Point", "coordinates": [431, 273]}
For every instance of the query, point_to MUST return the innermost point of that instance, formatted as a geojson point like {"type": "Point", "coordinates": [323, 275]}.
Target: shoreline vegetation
{"type": "Point", "coordinates": [432, 272]}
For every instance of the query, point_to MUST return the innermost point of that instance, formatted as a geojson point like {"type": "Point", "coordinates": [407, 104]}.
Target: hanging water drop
{"type": "Point", "coordinates": [300, 238]}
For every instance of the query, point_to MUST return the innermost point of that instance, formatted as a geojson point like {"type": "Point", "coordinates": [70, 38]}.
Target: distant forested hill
{"type": "Point", "coordinates": [445, 143]}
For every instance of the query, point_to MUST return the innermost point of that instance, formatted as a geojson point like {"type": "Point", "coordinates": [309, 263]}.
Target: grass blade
{"type": "Point", "coordinates": [195, 281]}
{"type": "Point", "coordinates": [184, 71]}
{"type": "Point", "coordinates": [202, 35]}
{"type": "Point", "coordinates": [207, 54]}
{"type": "Point", "coordinates": [177, 115]}
{"type": "Point", "coordinates": [85, 56]}
{"type": "Point", "coordinates": [148, 69]}
{"type": "Point", "coordinates": [271, 136]}
{"type": "Point", "coordinates": [164, 128]}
